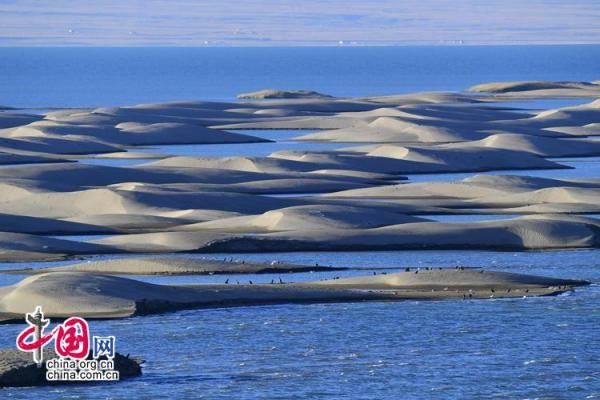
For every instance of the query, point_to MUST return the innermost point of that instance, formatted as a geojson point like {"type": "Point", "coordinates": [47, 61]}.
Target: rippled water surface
{"type": "Point", "coordinates": [528, 348]}
{"type": "Point", "coordinates": [519, 348]}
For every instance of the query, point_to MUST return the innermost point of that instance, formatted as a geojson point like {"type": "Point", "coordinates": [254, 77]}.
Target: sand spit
{"type": "Point", "coordinates": [177, 266]}
{"type": "Point", "coordinates": [283, 94]}
{"type": "Point", "coordinates": [540, 88]}
{"type": "Point", "coordinates": [63, 294]}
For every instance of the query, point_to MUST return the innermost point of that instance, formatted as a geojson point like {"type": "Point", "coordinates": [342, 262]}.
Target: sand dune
{"type": "Point", "coordinates": [540, 88]}
{"type": "Point", "coordinates": [464, 158]}
{"type": "Point", "coordinates": [197, 114]}
{"type": "Point", "coordinates": [111, 201]}
{"type": "Point", "coordinates": [176, 266]}
{"type": "Point", "coordinates": [249, 164]}
{"type": "Point", "coordinates": [63, 294]}
{"type": "Point", "coordinates": [559, 195]}
{"type": "Point", "coordinates": [267, 186]}
{"type": "Point", "coordinates": [492, 194]}
{"type": "Point", "coordinates": [83, 175]}
{"type": "Point", "coordinates": [524, 233]}
{"type": "Point", "coordinates": [220, 203]}
{"type": "Point", "coordinates": [575, 115]}
{"type": "Point", "coordinates": [130, 133]}
{"type": "Point", "coordinates": [305, 218]}
{"type": "Point", "coordinates": [138, 223]}
{"type": "Point", "coordinates": [455, 114]}
{"type": "Point", "coordinates": [542, 146]}
{"type": "Point", "coordinates": [292, 122]}
{"type": "Point", "coordinates": [282, 94]}
{"type": "Point", "coordinates": [20, 247]}
{"type": "Point", "coordinates": [393, 159]}
{"type": "Point", "coordinates": [384, 159]}
{"type": "Point", "coordinates": [174, 133]}
{"type": "Point", "coordinates": [477, 186]}
{"type": "Point", "coordinates": [592, 129]}
{"type": "Point", "coordinates": [340, 113]}
{"type": "Point", "coordinates": [450, 278]}
{"type": "Point", "coordinates": [393, 130]}
{"type": "Point", "coordinates": [48, 226]}
{"type": "Point", "coordinates": [53, 145]}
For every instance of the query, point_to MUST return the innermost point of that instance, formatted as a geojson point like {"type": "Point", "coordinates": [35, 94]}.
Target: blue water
{"type": "Point", "coordinates": [520, 348]}
{"type": "Point", "coordinates": [580, 168]}
{"type": "Point", "coordinates": [545, 348]}
{"type": "Point", "coordinates": [239, 149]}
{"type": "Point", "coordinates": [61, 77]}
{"type": "Point", "coordinates": [281, 139]}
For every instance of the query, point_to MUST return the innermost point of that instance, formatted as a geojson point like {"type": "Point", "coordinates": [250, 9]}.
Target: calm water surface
{"type": "Point", "coordinates": [76, 77]}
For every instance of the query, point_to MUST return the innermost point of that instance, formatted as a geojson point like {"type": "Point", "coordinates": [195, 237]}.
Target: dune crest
{"type": "Point", "coordinates": [64, 294]}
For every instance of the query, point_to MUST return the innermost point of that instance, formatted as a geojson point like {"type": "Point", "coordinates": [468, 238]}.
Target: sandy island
{"type": "Point", "coordinates": [101, 296]}
{"type": "Point", "coordinates": [62, 175]}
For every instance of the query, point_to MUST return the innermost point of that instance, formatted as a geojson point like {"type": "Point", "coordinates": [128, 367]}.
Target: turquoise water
{"type": "Point", "coordinates": [545, 348]}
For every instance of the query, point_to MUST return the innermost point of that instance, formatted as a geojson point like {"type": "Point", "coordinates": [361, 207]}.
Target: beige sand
{"type": "Point", "coordinates": [130, 133]}
{"type": "Point", "coordinates": [282, 94]}
{"type": "Point", "coordinates": [25, 247]}
{"type": "Point", "coordinates": [63, 294]}
{"type": "Point", "coordinates": [227, 204]}
{"type": "Point", "coordinates": [485, 191]}
{"type": "Point", "coordinates": [392, 159]}
{"type": "Point", "coordinates": [525, 233]}
{"type": "Point", "coordinates": [176, 266]}
{"type": "Point", "coordinates": [540, 88]}
{"type": "Point", "coordinates": [305, 218]}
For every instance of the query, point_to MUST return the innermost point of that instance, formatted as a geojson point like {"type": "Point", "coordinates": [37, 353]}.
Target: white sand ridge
{"type": "Point", "coordinates": [63, 294]}
{"type": "Point", "coordinates": [349, 197]}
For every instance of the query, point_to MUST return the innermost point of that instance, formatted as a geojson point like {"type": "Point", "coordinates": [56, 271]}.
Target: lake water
{"type": "Point", "coordinates": [519, 348]}
{"type": "Point", "coordinates": [580, 168]}
{"type": "Point", "coordinates": [76, 77]}
{"type": "Point", "coordinates": [545, 348]}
